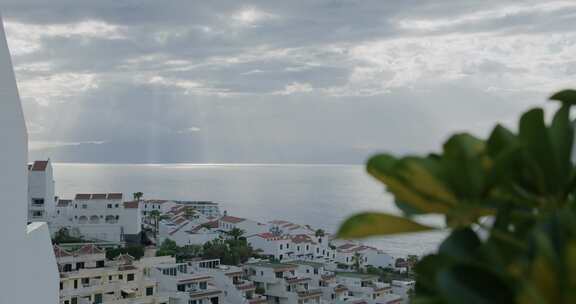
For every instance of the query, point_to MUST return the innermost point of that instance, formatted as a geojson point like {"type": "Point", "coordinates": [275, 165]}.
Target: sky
{"type": "Point", "coordinates": [303, 81]}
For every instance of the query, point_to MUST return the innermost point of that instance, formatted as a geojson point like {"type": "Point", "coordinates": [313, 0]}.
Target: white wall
{"type": "Point", "coordinates": [28, 267]}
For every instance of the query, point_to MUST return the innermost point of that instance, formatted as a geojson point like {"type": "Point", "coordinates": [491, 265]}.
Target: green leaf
{"type": "Point", "coordinates": [501, 139]}
{"type": "Point", "coordinates": [473, 285]}
{"type": "Point", "coordinates": [411, 184]}
{"type": "Point", "coordinates": [462, 244]}
{"type": "Point", "coordinates": [561, 133]}
{"type": "Point", "coordinates": [374, 224]}
{"type": "Point", "coordinates": [565, 96]}
{"type": "Point", "coordinates": [540, 158]}
{"type": "Point", "coordinates": [463, 164]}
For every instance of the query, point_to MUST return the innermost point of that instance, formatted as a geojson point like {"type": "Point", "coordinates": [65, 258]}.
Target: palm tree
{"type": "Point", "coordinates": [155, 216]}
{"type": "Point", "coordinates": [236, 233]}
{"type": "Point", "coordinates": [319, 233]}
{"type": "Point", "coordinates": [357, 261]}
{"type": "Point", "coordinates": [137, 195]}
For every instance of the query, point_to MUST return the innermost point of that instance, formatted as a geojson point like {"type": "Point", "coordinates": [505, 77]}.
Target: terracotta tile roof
{"type": "Point", "coordinates": [39, 165]}
{"type": "Point", "coordinates": [131, 205]}
{"type": "Point", "coordinates": [63, 202]}
{"type": "Point", "coordinates": [156, 201]}
{"type": "Point", "coordinates": [302, 238]}
{"type": "Point", "coordinates": [232, 219]}
{"type": "Point", "coordinates": [83, 196]}
{"type": "Point", "coordinates": [90, 249]}
{"type": "Point", "coordinates": [212, 224]}
{"type": "Point", "coordinates": [114, 196]}
{"type": "Point", "coordinates": [60, 252]}
{"type": "Point", "coordinates": [346, 246]}
{"type": "Point", "coordinates": [270, 236]}
{"type": "Point", "coordinates": [98, 196]}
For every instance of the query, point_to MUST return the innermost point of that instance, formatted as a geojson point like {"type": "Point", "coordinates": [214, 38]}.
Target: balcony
{"type": "Point", "coordinates": [309, 293]}
{"type": "Point", "coordinates": [258, 300]}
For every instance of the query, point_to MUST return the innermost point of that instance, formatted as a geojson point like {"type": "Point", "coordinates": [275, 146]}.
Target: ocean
{"type": "Point", "coordinates": [319, 195]}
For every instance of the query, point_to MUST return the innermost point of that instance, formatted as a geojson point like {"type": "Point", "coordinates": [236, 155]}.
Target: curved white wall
{"type": "Point", "coordinates": [28, 271]}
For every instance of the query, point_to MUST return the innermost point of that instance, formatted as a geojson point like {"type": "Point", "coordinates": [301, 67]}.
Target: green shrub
{"type": "Point", "coordinates": [516, 189]}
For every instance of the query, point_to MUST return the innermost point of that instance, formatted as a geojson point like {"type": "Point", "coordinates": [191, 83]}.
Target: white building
{"type": "Point", "coordinates": [155, 205]}
{"type": "Point", "coordinates": [209, 209]}
{"type": "Point", "coordinates": [86, 277]}
{"type": "Point", "coordinates": [186, 226]}
{"type": "Point", "coordinates": [250, 227]}
{"type": "Point", "coordinates": [100, 216]}
{"type": "Point", "coordinates": [367, 287]}
{"type": "Point", "coordinates": [282, 284]}
{"type": "Point", "coordinates": [348, 253]}
{"type": "Point", "coordinates": [28, 267]}
{"type": "Point", "coordinates": [41, 199]}
{"type": "Point", "coordinates": [184, 285]}
{"type": "Point", "coordinates": [232, 280]}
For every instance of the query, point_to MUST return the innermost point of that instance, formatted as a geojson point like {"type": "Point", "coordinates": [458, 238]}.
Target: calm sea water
{"type": "Point", "coordinates": [319, 195]}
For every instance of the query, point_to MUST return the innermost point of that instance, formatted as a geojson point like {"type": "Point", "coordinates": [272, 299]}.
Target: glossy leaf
{"type": "Point", "coordinates": [373, 224]}
{"type": "Point", "coordinates": [565, 96]}
{"type": "Point", "coordinates": [473, 285]}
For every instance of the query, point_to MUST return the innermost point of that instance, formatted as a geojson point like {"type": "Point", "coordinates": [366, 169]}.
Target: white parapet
{"type": "Point", "coordinates": [28, 271]}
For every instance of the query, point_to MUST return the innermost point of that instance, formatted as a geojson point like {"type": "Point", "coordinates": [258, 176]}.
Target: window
{"type": "Point", "coordinates": [36, 213]}
{"type": "Point", "coordinates": [75, 287]}
{"type": "Point", "coordinates": [85, 281]}
{"type": "Point", "coordinates": [38, 201]}
{"type": "Point", "coordinates": [109, 206]}
{"type": "Point", "coordinates": [120, 277]}
{"type": "Point", "coordinates": [109, 278]}
{"type": "Point", "coordinates": [203, 285]}
{"type": "Point", "coordinates": [61, 285]}
{"type": "Point", "coordinates": [280, 246]}
{"type": "Point", "coordinates": [130, 277]}
{"type": "Point", "coordinates": [74, 300]}
{"type": "Point", "coordinates": [84, 206]}
{"type": "Point", "coordinates": [80, 265]}
{"type": "Point", "coordinates": [116, 206]}
{"type": "Point", "coordinates": [181, 287]}
{"type": "Point", "coordinates": [99, 264]}
{"type": "Point", "coordinates": [75, 205]}
{"type": "Point", "coordinates": [149, 291]}
{"type": "Point", "coordinates": [98, 298]}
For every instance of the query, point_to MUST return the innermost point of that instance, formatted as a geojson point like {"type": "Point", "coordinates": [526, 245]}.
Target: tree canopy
{"type": "Point", "coordinates": [509, 201]}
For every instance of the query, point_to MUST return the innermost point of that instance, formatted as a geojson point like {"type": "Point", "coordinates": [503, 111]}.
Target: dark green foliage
{"type": "Point", "coordinates": [62, 236]}
{"type": "Point", "coordinates": [168, 248]}
{"type": "Point", "coordinates": [517, 189]}
{"type": "Point", "coordinates": [230, 252]}
{"type": "Point", "coordinates": [136, 251]}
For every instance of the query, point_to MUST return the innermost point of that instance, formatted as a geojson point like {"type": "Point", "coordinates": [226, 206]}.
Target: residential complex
{"type": "Point", "coordinates": [101, 217]}
{"type": "Point", "coordinates": [87, 277]}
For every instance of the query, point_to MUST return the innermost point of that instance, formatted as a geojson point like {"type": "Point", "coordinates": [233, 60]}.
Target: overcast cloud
{"type": "Point", "coordinates": [278, 81]}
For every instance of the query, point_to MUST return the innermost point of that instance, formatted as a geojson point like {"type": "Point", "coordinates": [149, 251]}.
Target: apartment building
{"type": "Point", "coordinates": [208, 208]}
{"type": "Point", "coordinates": [282, 283]}
{"type": "Point", "coordinates": [100, 216]}
{"type": "Point", "coordinates": [366, 286]}
{"type": "Point", "coordinates": [286, 247]}
{"type": "Point", "coordinates": [86, 277]}
{"type": "Point", "coordinates": [250, 227]}
{"type": "Point", "coordinates": [232, 280]}
{"type": "Point", "coordinates": [184, 285]}
{"type": "Point", "coordinates": [41, 199]}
